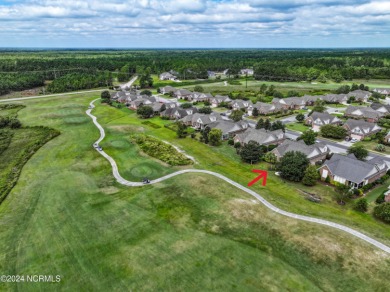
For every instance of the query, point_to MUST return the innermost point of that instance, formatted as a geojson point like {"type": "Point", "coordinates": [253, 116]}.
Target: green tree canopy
{"type": "Point", "coordinates": [145, 111]}
{"type": "Point", "coordinates": [292, 165]}
{"type": "Point", "coordinates": [309, 137]}
{"type": "Point", "coordinates": [251, 152]}
{"type": "Point", "coordinates": [359, 151]}
{"type": "Point", "coordinates": [236, 115]}
{"type": "Point", "coordinates": [215, 137]}
{"type": "Point", "coordinates": [311, 176]}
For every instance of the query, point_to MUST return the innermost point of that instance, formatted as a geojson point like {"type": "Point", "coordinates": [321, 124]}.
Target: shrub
{"type": "Point", "coordinates": [311, 176]}
{"type": "Point", "coordinates": [231, 142]}
{"type": "Point", "coordinates": [381, 198]}
{"type": "Point", "coordinates": [160, 150]}
{"type": "Point", "coordinates": [327, 179]}
{"type": "Point", "coordinates": [270, 158]}
{"type": "Point", "coordinates": [380, 148]}
{"type": "Point", "coordinates": [367, 187]}
{"type": "Point", "coordinates": [361, 205]}
{"type": "Point", "coordinates": [15, 123]}
{"type": "Point", "coordinates": [382, 212]}
{"type": "Point", "coordinates": [193, 135]}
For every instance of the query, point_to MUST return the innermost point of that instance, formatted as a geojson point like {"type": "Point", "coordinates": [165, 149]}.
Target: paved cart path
{"type": "Point", "coordinates": [125, 182]}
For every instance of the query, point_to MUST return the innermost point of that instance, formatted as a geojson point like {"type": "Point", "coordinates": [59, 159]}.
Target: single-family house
{"type": "Point", "coordinates": [158, 107]}
{"type": "Point", "coordinates": [167, 76]}
{"type": "Point", "coordinates": [290, 102]}
{"type": "Point", "coordinates": [178, 112]}
{"type": "Point", "coordinates": [359, 129]}
{"type": "Point", "coordinates": [167, 89]}
{"type": "Point", "coordinates": [261, 136]}
{"type": "Point", "coordinates": [311, 99]}
{"type": "Point", "coordinates": [182, 93]}
{"type": "Point", "coordinates": [316, 120]}
{"type": "Point", "coordinates": [265, 108]}
{"type": "Point", "coordinates": [200, 121]}
{"type": "Point", "coordinates": [239, 104]}
{"type": "Point", "coordinates": [246, 71]}
{"type": "Point", "coordinates": [384, 91]}
{"type": "Point", "coordinates": [387, 137]}
{"type": "Point", "coordinates": [363, 112]}
{"type": "Point", "coordinates": [335, 98]}
{"type": "Point", "coordinates": [348, 170]}
{"type": "Point", "coordinates": [315, 153]}
{"type": "Point", "coordinates": [199, 97]}
{"type": "Point", "coordinates": [218, 99]}
{"type": "Point", "coordinates": [229, 128]}
{"type": "Point", "coordinates": [360, 95]}
{"type": "Point", "coordinates": [382, 108]}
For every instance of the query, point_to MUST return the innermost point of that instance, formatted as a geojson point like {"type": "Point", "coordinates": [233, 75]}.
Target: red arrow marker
{"type": "Point", "coordinates": [262, 174]}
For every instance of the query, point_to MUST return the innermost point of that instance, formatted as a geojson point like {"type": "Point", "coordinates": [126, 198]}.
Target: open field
{"type": "Point", "coordinates": [284, 87]}
{"type": "Point", "coordinates": [68, 216]}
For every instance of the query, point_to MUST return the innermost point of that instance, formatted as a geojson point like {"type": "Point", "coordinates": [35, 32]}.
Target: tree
{"type": "Point", "coordinates": [105, 96]}
{"type": "Point", "coordinates": [293, 165]}
{"type": "Point", "coordinates": [215, 137]}
{"type": "Point", "coordinates": [236, 115]}
{"type": "Point", "coordinates": [278, 125]}
{"type": "Point", "coordinates": [263, 88]}
{"type": "Point", "coordinates": [145, 111]}
{"type": "Point", "coordinates": [359, 151]}
{"type": "Point", "coordinates": [251, 152]}
{"type": "Point", "coordinates": [270, 157]}
{"type": "Point", "coordinates": [309, 137]}
{"type": "Point", "coordinates": [255, 112]}
{"type": "Point", "coordinates": [292, 93]}
{"type": "Point", "coordinates": [322, 78]}
{"type": "Point", "coordinates": [181, 130]}
{"type": "Point", "coordinates": [145, 80]}
{"type": "Point", "coordinates": [124, 73]}
{"type": "Point", "coordinates": [260, 124]}
{"type": "Point", "coordinates": [205, 110]}
{"type": "Point", "coordinates": [380, 199]}
{"type": "Point", "coordinates": [333, 131]}
{"type": "Point", "coordinates": [198, 88]}
{"type": "Point", "coordinates": [361, 205]}
{"type": "Point", "coordinates": [300, 117]}
{"type": "Point", "coordinates": [205, 134]}
{"type": "Point", "coordinates": [186, 105]}
{"type": "Point", "coordinates": [267, 124]}
{"type": "Point", "coordinates": [342, 193]}
{"type": "Point", "coordinates": [319, 106]}
{"type": "Point", "coordinates": [382, 212]}
{"type": "Point", "coordinates": [146, 92]}
{"type": "Point", "coordinates": [311, 176]}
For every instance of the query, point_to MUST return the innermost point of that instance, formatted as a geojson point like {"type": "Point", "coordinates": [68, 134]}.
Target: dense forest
{"type": "Point", "coordinates": [25, 69]}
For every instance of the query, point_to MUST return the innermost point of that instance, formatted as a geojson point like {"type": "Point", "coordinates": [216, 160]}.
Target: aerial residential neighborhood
{"type": "Point", "coordinates": [195, 145]}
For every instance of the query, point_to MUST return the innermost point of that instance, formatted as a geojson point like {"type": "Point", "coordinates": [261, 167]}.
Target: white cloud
{"type": "Point", "coordinates": [195, 21]}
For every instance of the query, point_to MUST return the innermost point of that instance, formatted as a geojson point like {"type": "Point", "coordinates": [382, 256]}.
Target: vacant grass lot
{"type": "Point", "coordinates": [67, 216]}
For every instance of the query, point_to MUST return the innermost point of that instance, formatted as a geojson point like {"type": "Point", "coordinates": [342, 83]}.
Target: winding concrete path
{"type": "Point", "coordinates": [125, 182]}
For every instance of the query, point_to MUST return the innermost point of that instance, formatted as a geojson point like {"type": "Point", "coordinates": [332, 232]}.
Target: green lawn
{"type": "Point", "coordinates": [297, 127]}
{"type": "Point", "coordinates": [68, 216]}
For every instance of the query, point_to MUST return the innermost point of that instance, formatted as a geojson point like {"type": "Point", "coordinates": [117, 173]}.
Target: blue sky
{"type": "Point", "coordinates": [194, 23]}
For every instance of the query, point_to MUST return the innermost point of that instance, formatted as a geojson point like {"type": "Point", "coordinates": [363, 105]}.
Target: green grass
{"type": "Point", "coordinates": [68, 216]}
{"type": "Point", "coordinates": [297, 127]}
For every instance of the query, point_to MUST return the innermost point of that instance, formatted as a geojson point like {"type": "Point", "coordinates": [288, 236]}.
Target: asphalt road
{"type": "Point", "coordinates": [125, 182]}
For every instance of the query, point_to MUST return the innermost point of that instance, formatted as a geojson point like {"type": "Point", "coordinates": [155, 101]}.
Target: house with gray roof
{"type": "Point", "coordinates": [261, 136]}
{"type": "Point", "coordinates": [200, 121]}
{"type": "Point", "coordinates": [311, 99]}
{"type": "Point", "coordinates": [239, 104]}
{"type": "Point", "coordinates": [199, 96]}
{"type": "Point", "coordinates": [382, 108]}
{"type": "Point", "coordinates": [335, 98]}
{"type": "Point", "coordinates": [384, 91]}
{"type": "Point", "coordinates": [182, 93]}
{"type": "Point", "coordinates": [167, 76]}
{"type": "Point", "coordinates": [265, 108]}
{"type": "Point", "coordinates": [350, 171]}
{"type": "Point", "coordinates": [316, 120]}
{"type": "Point", "coordinates": [359, 129]}
{"type": "Point", "coordinates": [363, 112]}
{"type": "Point", "coordinates": [177, 113]}
{"type": "Point", "coordinates": [360, 95]}
{"type": "Point", "coordinates": [167, 89]}
{"type": "Point", "coordinates": [218, 99]}
{"type": "Point", "coordinates": [315, 153]}
{"type": "Point", "coordinates": [290, 102]}
{"type": "Point", "coordinates": [229, 128]}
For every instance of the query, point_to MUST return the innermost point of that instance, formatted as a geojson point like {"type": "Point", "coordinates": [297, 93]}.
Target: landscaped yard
{"type": "Point", "coordinates": [68, 216]}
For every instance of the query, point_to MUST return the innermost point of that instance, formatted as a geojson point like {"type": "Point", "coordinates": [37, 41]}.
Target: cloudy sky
{"type": "Point", "coordinates": [194, 23]}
